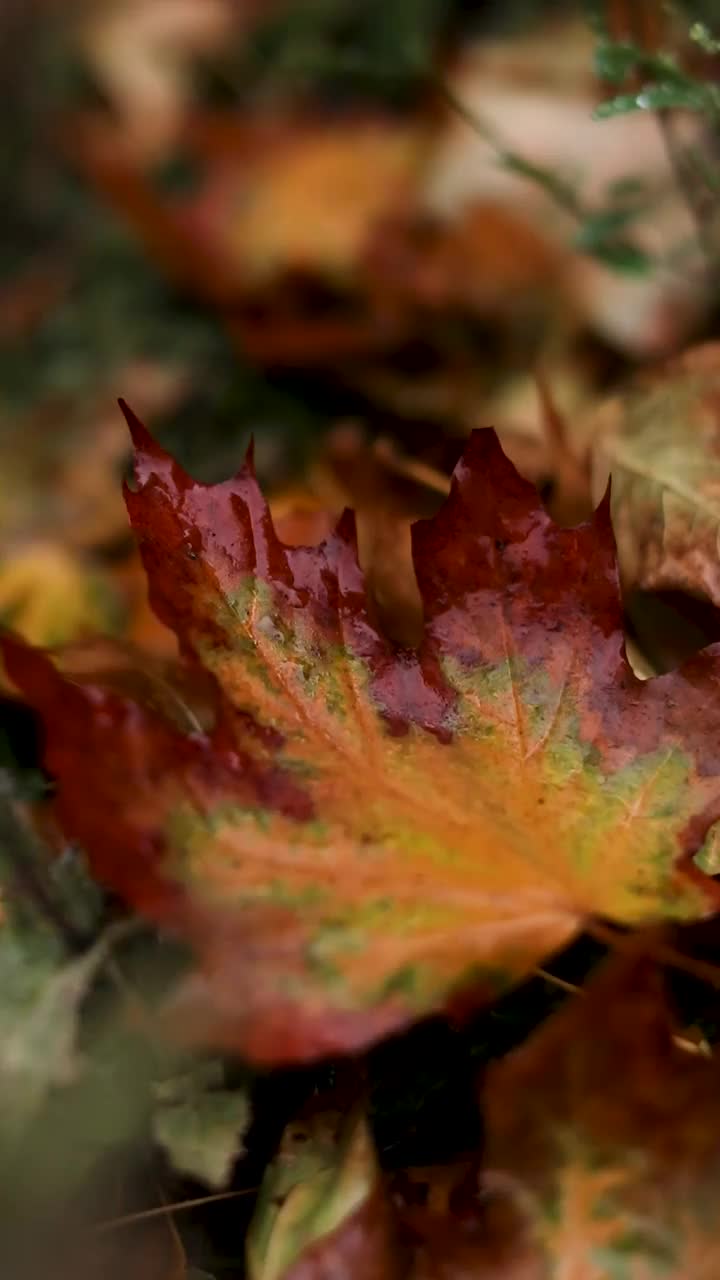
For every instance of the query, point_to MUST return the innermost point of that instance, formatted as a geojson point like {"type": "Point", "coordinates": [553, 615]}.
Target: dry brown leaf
{"type": "Point", "coordinates": [60, 467]}
{"type": "Point", "coordinates": [312, 201]}
{"type": "Point", "coordinates": [604, 1129]}
{"type": "Point", "coordinates": [275, 233]}
{"type": "Point", "coordinates": [141, 52]}
{"type": "Point", "coordinates": [660, 441]}
{"type": "Point", "coordinates": [487, 258]}
{"type": "Point", "coordinates": [454, 1230]}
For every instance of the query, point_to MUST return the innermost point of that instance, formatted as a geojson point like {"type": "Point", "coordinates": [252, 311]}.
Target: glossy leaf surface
{"type": "Point", "coordinates": [369, 833]}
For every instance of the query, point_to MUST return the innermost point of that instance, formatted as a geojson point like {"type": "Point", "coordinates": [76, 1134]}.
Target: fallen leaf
{"type": "Point", "coordinates": [387, 492]}
{"type": "Point", "coordinates": [39, 1026]}
{"type": "Point", "coordinates": [476, 1236]}
{"type": "Point", "coordinates": [52, 596]}
{"type": "Point", "coordinates": [39, 1022]}
{"type": "Point", "coordinates": [60, 463]}
{"type": "Point", "coordinates": [201, 1127]}
{"type": "Point", "coordinates": [322, 1213]}
{"type": "Point", "coordinates": [605, 1127]}
{"type": "Point", "coordinates": [183, 695]}
{"type": "Point", "coordinates": [276, 230]}
{"type": "Point", "coordinates": [487, 259]}
{"type": "Point", "coordinates": [311, 202]}
{"type": "Point", "coordinates": [540, 419]}
{"type": "Point", "coordinates": [385, 555]}
{"type": "Point", "coordinates": [370, 832]}
{"type": "Point", "coordinates": [142, 627]}
{"type": "Point", "coordinates": [384, 552]}
{"type": "Point", "coordinates": [663, 453]}
{"type": "Point", "coordinates": [63, 1103]}
{"type": "Point", "coordinates": [141, 53]}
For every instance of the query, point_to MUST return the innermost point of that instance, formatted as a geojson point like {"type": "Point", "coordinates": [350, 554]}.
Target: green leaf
{"type": "Point", "coordinates": [616, 252]}
{"type": "Point", "coordinates": [39, 1008]}
{"type": "Point", "coordinates": [615, 60]}
{"type": "Point", "coordinates": [701, 34]}
{"type": "Point", "coordinates": [202, 1129]}
{"type": "Point", "coordinates": [321, 1178]}
{"type": "Point", "coordinates": [665, 96]}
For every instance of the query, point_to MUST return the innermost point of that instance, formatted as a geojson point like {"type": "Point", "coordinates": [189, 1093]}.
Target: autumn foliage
{"type": "Point", "coordinates": [339, 845]}
{"type": "Point", "coordinates": [353, 835]}
{"type": "Point", "coordinates": [360, 813]}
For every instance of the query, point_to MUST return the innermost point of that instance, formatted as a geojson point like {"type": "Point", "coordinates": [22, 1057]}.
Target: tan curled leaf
{"type": "Point", "coordinates": [664, 459]}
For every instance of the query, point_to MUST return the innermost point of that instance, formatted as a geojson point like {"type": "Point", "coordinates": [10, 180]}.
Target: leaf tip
{"type": "Point", "coordinates": [249, 464]}
{"type": "Point", "coordinates": [484, 456]}
{"type": "Point", "coordinates": [150, 463]}
{"type": "Point", "coordinates": [150, 457]}
{"type": "Point", "coordinates": [602, 517]}
{"type": "Point", "coordinates": [139, 434]}
{"type": "Point", "coordinates": [346, 527]}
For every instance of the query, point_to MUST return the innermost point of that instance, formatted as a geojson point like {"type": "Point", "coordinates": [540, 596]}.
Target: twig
{"type": "Point", "coordinates": [617, 940]}
{"type": "Point", "coordinates": [142, 1215]}
{"type": "Point", "coordinates": [562, 193]}
{"type": "Point", "coordinates": [411, 468]}
{"type": "Point", "coordinates": [701, 1049]}
{"type": "Point", "coordinates": [571, 988]}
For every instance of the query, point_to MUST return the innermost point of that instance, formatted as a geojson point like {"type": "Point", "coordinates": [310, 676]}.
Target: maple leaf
{"type": "Point", "coordinates": [605, 1126]}
{"type": "Point", "coordinates": [371, 833]}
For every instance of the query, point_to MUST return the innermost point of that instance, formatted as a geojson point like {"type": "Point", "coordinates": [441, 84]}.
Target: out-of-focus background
{"type": "Point", "coordinates": [355, 229]}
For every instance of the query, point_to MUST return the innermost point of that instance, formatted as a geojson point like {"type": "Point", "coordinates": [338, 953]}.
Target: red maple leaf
{"type": "Point", "coordinates": [369, 833]}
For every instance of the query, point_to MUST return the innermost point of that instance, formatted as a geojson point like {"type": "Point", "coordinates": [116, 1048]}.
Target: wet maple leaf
{"type": "Point", "coordinates": [370, 833]}
{"type": "Point", "coordinates": [604, 1125]}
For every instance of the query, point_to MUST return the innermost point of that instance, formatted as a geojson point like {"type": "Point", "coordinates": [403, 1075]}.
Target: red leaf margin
{"type": "Point", "coordinates": [492, 547]}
